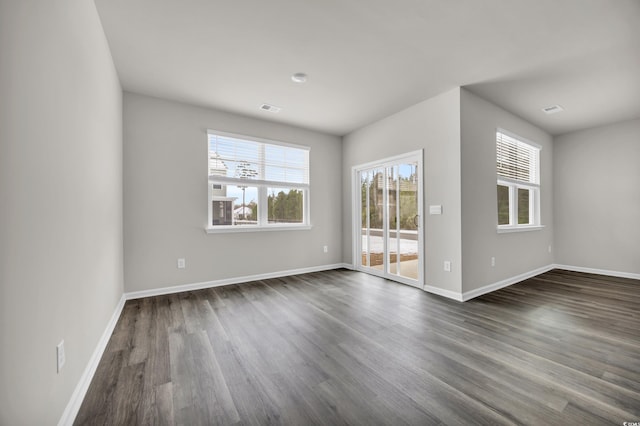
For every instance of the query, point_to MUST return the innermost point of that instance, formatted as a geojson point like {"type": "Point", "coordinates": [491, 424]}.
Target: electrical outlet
{"type": "Point", "coordinates": [493, 261]}
{"type": "Point", "coordinates": [181, 263]}
{"type": "Point", "coordinates": [60, 356]}
{"type": "Point", "coordinates": [447, 265]}
{"type": "Point", "coordinates": [326, 249]}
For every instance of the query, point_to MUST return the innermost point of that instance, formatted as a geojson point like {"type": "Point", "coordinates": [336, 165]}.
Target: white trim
{"type": "Point", "coordinates": [505, 229]}
{"type": "Point", "coordinates": [608, 272]}
{"type": "Point", "coordinates": [73, 406]}
{"type": "Point", "coordinates": [348, 266]}
{"type": "Point", "coordinates": [505, 181]}
{"type": "Point", "coordinates": [226, 281]}
{"type": "Point", "coordinates": [355, 218]}
{"type": "Point", "coordinates": [255, 228]}
{"type": "Point", "coordinates": [255, 139]}
{"type": "Point", "coordinates": [405, 280]}
{"type": "Point", "coordinates": [224, 180]}
{"type": "Point", "coordinates": [444, 293]}
{"type": "Point", "coordinates": [388, 161]}
{"type": "Point", "coordinates": [505, 283]}
{"type": "Point", "coordinates": [521, 277]}
{"type": "Point", "coordinates": [356, 204]}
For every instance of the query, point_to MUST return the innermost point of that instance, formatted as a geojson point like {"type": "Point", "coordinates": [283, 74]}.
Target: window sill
{"type": "Point", "coordinates": [520, 229]}
{"type": "Point", "coordinates": [236, 229]}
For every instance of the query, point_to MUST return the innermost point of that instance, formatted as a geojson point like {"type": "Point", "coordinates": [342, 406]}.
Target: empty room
{"type": "Point", "coordinates": [291, 212]}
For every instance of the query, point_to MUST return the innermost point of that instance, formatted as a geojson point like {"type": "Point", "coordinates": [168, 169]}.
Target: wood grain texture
{"type": "Point", "coordinates": [342, 347]}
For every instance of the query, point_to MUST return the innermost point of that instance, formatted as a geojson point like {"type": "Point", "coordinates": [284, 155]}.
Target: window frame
{"type": "Point", "coordinates": [535, 221]}
{"type": "Point", "coordinates": [262, 189]}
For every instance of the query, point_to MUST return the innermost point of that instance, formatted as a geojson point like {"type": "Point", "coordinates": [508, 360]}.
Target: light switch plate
{"type": "Point", "coordinates": [435, 209]}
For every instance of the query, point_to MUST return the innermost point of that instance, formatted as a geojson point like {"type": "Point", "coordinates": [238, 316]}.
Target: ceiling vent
{"type": "Point", "coordinates": [552, 109]}
{"type": "Point", "coordinates": [299, 77]}
{"type": "Point", "coordinates": [270, 108]}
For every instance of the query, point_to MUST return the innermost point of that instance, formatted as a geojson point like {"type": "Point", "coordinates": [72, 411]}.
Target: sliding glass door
{"type": "Point", "coordinates": [388, 218]}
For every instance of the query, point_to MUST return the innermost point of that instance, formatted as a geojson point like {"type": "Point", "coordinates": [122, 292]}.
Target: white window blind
{"type": "Point", "coordinates": [234, 159]}
{"type": "Point", "coordinates": [516, 160]}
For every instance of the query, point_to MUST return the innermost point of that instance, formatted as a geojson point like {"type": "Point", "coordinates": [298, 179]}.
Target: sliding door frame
{"type": "Point", "coordinates": [414, 156]}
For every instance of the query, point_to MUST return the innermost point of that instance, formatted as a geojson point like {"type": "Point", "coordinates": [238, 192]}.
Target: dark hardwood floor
{"type": "Point", "coordinates": [342, 347]}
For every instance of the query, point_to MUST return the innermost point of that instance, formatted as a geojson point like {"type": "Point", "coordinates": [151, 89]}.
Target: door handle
{"type": "Point", "coordinates": [416, 220]}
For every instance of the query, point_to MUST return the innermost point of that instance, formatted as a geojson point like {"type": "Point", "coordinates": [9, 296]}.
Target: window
{"type": "Point", "coordinates": [518, 189]}
{"type": "Point", "coordinates": [255, 184]}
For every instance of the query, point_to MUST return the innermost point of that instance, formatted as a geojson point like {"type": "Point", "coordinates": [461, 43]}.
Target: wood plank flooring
{"type": "Point", "coordinates": [341, 347]}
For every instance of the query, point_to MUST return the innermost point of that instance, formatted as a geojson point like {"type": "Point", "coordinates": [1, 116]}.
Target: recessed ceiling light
{"type": "Point", "coordinates": [552, 109]}
{"type": "Point", "coordinates": [299, 77]}
{"type": "Point", "coordinates": [270, 108]}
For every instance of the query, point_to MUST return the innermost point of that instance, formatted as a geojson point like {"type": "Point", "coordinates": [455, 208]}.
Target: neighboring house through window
{"type": "Point", "coordinates": [256, 184]}
{"type": "Point", "coordinates": [518, 173]}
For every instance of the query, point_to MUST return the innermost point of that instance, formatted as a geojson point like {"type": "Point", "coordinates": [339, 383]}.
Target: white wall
{"type": "Point", "coordinates": [597, 198]}
{"type": "Point", "coordinates": [515, 253]}
{"type": "Point", "coordinates": [165, 206]}
{"type": "Point", "coordinates": [432, 125]}
{"type": "Point", "coordinates": [61, 210]}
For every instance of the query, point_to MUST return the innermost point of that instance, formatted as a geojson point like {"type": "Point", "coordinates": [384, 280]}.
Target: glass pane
{"type": "Point", "coordinates": [246, 159]}
{"type": "Point", "coordinates": [286, 164]}
{"type": "Point", "coordinates": [389, 220]}
{"type": "Point", "coordinates": [285, 205]}
{"type": "Point", "coordinates": [523, 206]}
{"type": "Point", "coordinates": [232, 157]}
{"type": "Point", "coordinates": [286, 174]}
{"type": "Point", "coordinates": [234, 205]}
{"type": "Point", "coordinates": [376, 210]}
{"type": "Point", "coordinates": [364, 187]}
{"type": "Point", "coordinates": [503, 205]}
{"type": "Point", "coordinates": [408, 220]}
{"type": "Point", "coordinates": [516, 159]}
{"type": "Point", "coordinates": [392, 219]}
{"type": "Point", "coordinates": [245, 206]}
{"type": "Point", "coordinates": [222, 212]}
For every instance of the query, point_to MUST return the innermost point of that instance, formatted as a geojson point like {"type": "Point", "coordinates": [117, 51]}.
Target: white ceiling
{"type": "Point", "coordinates": [367, 59]}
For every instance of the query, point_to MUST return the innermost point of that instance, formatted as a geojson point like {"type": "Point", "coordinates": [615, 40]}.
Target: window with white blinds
{"type": "Point", "coordinates": [242, 159]}
{"type": "Point", "coordinates": [518, 182]}
{"type": "Point", "coordinates": [516, 159]}
{"type": "Point", "coordinates": [256, 183]}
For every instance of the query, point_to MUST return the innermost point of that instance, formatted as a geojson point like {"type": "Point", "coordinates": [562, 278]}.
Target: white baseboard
{"type": "Point", "coordinates": [463, 297]}
{"type": "Point", "coordinates": [505, 283]}
{"type": "Point", "coordinates": [227, 281]}
{"type": "Point", "coordinates": [444, 293]}
{"type": "Point", "coordinates": [521, 277]}
{"type": "Point", "coordinates": [599, 271]}
{"type": "Point", "coordinates": [73, 406]}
